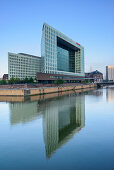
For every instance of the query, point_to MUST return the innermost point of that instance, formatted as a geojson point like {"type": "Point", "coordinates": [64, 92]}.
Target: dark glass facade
{"type": "Point", "coordinates": [62, 59]}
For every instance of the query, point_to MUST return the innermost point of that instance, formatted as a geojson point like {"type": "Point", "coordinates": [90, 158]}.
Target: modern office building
{"type": "Point", "coordinates": [110, 73]}
{"type": "Point", "coordinates": [23, 65]}
{"type": "Point", "coordinates": [60, 54]}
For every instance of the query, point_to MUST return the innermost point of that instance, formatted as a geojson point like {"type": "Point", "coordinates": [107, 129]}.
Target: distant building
{"type": "Point", "coordinates": [60, 54]}
{"type": "Point", "coordinates": [110, 73]}
{"type": "Point", "coordinates": [23, 65]}
{"type": "Point", "coordinates": [96, 75]}
{"type": "Point", "coordinates": [5, 77]}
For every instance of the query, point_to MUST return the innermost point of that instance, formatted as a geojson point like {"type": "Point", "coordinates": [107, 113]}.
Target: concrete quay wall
{"type": "Point", "coordinates": [12, 92]}
{"type": "Point", "coordinates": [59, 89]}
{"type": "Point", "coordinates": [42, 90]}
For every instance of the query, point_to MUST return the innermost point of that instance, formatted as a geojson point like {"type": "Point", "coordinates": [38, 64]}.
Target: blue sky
{"type": "Point", "coordinates": [88, 22]}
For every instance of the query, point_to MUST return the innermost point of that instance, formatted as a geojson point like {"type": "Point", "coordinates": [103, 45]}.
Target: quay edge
{"type": "Point", "coordinates": [43, 90]}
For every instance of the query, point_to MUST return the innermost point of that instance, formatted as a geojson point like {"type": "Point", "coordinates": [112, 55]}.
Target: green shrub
{"type": "Point", "coordinates": [2, 82]}
{"type": "Point", "coordinates": [14, 81]}
{"type": "Point", "coordinates": [26, 80]}
{"type": "Point", "coordinates": [59, 81]}
{"type": "Point", "coordinates": [11, 81]}
{"type": "Point", "coordinates": [31, 80]}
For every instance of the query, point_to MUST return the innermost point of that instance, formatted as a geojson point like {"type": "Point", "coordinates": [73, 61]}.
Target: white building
{"type": "Point", "coordinates": [23, 65]}
{"type": "Point", "coordinates": [110, 73]}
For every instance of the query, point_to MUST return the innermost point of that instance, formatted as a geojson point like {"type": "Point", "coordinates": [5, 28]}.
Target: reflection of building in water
{"type": "Point", "coordinates": [110, 94]}
{"type": "Point", "coordinates": [23, 112]}
{"type": "Point", "coordinates": [62, 118]}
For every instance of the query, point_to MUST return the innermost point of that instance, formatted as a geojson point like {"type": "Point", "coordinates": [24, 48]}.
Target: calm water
{"type": "Point", "coordinates": [69, 131]}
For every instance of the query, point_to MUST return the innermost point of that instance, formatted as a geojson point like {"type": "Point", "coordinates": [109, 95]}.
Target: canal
{"type": "Point", "coordinates": [71, 131]}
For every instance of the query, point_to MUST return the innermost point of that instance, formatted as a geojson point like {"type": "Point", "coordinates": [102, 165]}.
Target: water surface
{"type": "Point", "coordinates": [58, 131]}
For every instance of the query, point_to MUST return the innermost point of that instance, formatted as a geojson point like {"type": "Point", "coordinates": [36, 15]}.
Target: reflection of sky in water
{"type": "Point", "coordinates": [74, 131]}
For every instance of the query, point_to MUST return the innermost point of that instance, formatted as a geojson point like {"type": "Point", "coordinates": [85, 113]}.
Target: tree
{"type": "Point", "coordinates": [31, 80]}
{"type": "Point", "coordinates": [14, 80]}
{"type": "Point", "coordinates": [11, 81]}
{"type": "Point", "coordinates": [2, 82]}
{"type": "Point", "coordinates": [26, 80]}
{"type": "Point", "coordinates": [17, 80]}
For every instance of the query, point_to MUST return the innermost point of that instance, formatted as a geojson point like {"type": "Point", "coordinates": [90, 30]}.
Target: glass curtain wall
{"type": "Point", "coordinates": [62, 59]}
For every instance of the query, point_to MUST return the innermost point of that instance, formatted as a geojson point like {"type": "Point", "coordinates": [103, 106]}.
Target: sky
{"type": "Point", "coordinates": [88, 22]}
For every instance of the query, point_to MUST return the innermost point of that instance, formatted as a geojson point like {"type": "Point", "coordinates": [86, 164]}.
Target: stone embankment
{"type": "Point", "coordinates": [25, 91]}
